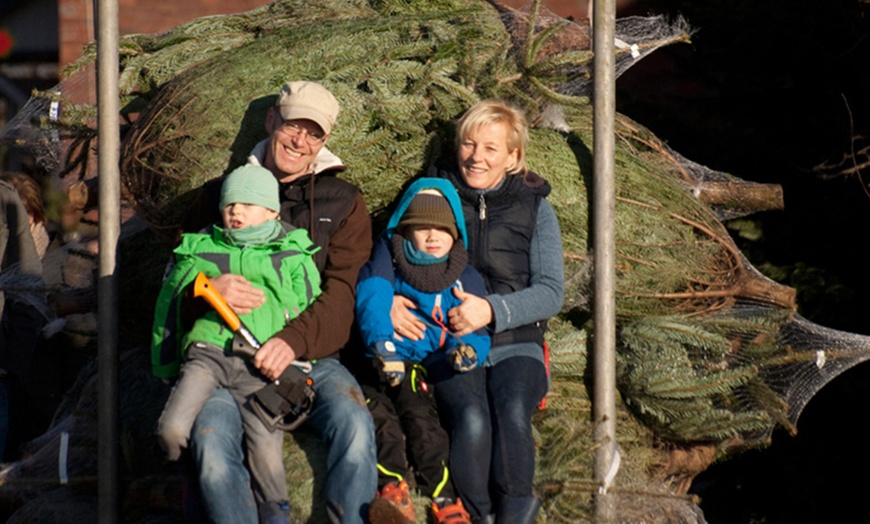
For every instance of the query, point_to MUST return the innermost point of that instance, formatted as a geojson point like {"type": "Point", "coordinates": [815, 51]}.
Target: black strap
{"type": "Point", "coordinates": [528, 333]}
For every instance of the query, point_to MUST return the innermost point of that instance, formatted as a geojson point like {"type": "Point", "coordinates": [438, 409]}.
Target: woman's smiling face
{"type": "Point", "coordinates": [485, 157]}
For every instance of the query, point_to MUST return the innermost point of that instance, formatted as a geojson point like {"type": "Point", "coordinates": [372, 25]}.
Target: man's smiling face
{"type": "Point", "coordinates": [293, 146]}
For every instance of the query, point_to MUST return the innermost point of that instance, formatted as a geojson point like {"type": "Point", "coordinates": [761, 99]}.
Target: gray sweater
{"type": "Point", "coordinates": [542, 299]}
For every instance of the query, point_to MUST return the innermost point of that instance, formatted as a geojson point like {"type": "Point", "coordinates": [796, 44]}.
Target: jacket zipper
{"type": "Point", "coordinates": [482, 241]}
{"type": "Point", "coordinates": [481, 201]}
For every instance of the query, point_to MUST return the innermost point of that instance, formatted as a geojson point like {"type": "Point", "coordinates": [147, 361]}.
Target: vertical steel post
{"type": "Point", "coordinates": [109, 225]}
{"type": "Point", "coordinates": [604, 336]}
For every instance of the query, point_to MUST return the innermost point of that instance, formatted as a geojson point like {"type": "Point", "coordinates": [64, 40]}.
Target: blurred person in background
{"type": "Point", "coordinates": [31, 196]}
{"type": "Point", "coordinates": [22, 310]}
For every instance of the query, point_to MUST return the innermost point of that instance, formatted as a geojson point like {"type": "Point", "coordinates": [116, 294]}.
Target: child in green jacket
{"type": "Point", "coordinates": [273, 256]}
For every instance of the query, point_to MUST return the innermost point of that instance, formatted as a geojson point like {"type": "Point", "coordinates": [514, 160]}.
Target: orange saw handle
{"type": "Point", "coordinates": [245, 344]}
{"type": "Point", "coordinates": [202, 288]}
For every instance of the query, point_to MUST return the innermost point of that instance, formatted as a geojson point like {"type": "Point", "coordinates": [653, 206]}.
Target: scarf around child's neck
{"type": "Point", "coordinates": [256, 235]}
{"type": "Point", "coordinates": [429, 277]}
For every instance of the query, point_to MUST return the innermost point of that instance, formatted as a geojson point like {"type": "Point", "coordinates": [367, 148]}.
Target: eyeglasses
{"type": "Point", "coordinates": [292, 129]}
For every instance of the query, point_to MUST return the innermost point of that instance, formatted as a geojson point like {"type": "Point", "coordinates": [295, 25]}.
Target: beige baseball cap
{"type": "Point", "coordinates": [310, 101]}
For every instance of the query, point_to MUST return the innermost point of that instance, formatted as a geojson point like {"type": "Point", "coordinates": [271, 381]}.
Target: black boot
{"type": "Point", "coordinates": [274, 512]}
{"type": "Point", "coordinates": [518, 510]}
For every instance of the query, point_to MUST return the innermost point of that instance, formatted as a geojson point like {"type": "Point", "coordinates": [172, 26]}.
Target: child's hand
{"type": "Point", "coordinates": [387, 362]}
{"type": "Point", "coordinates": [463, 357]}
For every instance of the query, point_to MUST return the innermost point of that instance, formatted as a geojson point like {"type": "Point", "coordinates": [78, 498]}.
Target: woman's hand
{"type": "Point", "coordinates": [474, 313]}
{"type": "Point", "coordinates": [241, 296]}
{"type": "Point", "coordinates": [405, 323]}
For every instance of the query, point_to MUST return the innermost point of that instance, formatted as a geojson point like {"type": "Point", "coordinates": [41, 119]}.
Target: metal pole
{"type": "Point", "coordinates": [110, 220]}
{"type": "Point", "coordinates": [604, 110]}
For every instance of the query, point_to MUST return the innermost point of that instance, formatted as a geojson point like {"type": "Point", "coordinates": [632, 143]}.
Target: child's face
{"type": "Point", "coordinates": [433, 240]}
{"type": "Point", "coordinates": [240, 215]}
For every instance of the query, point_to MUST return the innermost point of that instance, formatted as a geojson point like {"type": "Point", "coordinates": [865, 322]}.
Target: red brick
{"type": "Point", "coordinates": [76, 19]}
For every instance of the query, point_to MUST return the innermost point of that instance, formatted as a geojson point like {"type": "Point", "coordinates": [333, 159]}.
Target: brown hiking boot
{"type": "Point", "coordinates": [392, 505]}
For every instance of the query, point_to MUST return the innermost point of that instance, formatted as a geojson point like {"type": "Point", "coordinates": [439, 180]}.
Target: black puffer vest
{"type": "Point", "coordinates": [320, 212]}
{"type": "Point", "coordinates": [500, 224]}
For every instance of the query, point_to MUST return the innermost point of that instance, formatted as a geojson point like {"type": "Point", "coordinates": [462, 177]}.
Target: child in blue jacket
{"type": "Point", "coordinates": [422, 256]}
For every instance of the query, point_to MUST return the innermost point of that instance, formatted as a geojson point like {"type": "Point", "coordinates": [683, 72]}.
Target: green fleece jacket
{"type": "Point", "coordinates": [283, 268]}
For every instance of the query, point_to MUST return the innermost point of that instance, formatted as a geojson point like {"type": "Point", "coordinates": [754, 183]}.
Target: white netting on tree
{"type": "Point", "coordinates": [735, 374]}
{"type": "Point", "coordinates": [56, 127]}
{"type": "Point", "coordinates": [561, 49]}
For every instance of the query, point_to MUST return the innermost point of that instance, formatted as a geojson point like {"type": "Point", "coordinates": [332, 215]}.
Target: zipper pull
{"type": "Point", "coordinates": [482, 207]}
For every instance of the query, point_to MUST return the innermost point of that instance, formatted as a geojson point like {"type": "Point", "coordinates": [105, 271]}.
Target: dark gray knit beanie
{"type": "Point", "coordinates": [429, 208]}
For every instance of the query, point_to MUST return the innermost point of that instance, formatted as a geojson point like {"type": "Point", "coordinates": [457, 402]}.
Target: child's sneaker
{"type": "Point", "coordinates": [392, 505]}
{"type": "Point", "coordinates": [449, 512]}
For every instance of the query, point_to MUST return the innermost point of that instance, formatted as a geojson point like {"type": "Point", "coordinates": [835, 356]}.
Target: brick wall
{"type": "Point", "coordinates": [76, 18]}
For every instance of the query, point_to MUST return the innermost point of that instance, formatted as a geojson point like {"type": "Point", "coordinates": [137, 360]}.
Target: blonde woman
{"type": "Point", "coordinates": [515, 243]}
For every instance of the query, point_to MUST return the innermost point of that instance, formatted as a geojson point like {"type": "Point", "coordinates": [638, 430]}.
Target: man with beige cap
{"type": "Point", "coordinates": [335, 215]}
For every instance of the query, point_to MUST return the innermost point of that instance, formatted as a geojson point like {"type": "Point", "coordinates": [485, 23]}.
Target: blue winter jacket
{"type": "Point", "coordinates": [379, 281]}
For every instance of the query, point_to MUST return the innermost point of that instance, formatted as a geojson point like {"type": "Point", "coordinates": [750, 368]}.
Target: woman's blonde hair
{"type": "Point", "coordinates": [487, 112]}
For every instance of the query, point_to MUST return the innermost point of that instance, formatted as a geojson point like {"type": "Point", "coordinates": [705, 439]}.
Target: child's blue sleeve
{"type": "Point", "coordinates": [374, 295]}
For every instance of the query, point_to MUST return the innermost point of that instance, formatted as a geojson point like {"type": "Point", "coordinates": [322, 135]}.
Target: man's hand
{"type": "Point", "coordinates": [238, 292]}
{"type": "Point", "coordinates": [405, 323]}
{"type": "Point", "coordinates": [273, 357]}
{"type": "Point", "coordinates": [473, 314]}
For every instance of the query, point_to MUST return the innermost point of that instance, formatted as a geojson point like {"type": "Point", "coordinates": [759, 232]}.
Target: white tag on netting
{"type": "Point", "coordinates": [622, 44]}
{"type": "Point", "coordinates": [53, 113]}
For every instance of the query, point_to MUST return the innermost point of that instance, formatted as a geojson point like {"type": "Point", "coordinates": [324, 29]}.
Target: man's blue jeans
{"type": "Point", "coordinates": [340, 417]}
{"type": "Point", "coordinates": [492, 449]}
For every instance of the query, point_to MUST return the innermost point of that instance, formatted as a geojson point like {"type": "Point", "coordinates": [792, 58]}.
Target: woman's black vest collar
{"type": "Point", "coordinates": [505, 192]}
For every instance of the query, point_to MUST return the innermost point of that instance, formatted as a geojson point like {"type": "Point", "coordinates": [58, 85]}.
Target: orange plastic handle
{"type": "Point", "coordinates": [202, 288]}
